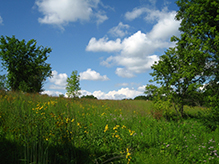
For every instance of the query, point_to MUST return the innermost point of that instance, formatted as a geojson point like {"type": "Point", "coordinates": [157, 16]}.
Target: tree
{"type": "Point", "coordinates": [151, 91]}
{"type": "Point", "coordinates": [89, 97]}
{"type": "Point", "coordinates": [179, 77]}
{"type": "Point", "coordinates": [25, 64]}
{"type": "Point", "coordinates": [182, 70]}
{"type": "Point", "coordinates": [200, 21]}
{"type": "Point", "coordinates": [73, 85]}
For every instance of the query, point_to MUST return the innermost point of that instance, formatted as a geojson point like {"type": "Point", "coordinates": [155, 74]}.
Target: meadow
{"type": "Point", "coordinates": [53, 130]}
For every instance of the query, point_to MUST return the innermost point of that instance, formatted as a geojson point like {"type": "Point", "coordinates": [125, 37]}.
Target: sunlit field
{"type": "Point", "coordinates": [40, 129]}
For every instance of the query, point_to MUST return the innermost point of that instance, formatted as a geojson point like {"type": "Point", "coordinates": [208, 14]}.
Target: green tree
{"type": "Point", "coordinates": [73, 85]}
{"type": "Point", "coordinates": [25, 64]}
{"type": "Point", "coordinates": [200, 25]}
{"type": "Point", "coordinates": [89, 97]}
{"type": "Point", "coordinates": [182, 70]}
{"type": "Point", "coordinates": [151, 91]}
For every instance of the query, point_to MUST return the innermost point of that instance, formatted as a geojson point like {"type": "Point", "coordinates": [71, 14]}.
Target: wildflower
{"type": "Point", "coordinates": [131, 132]}
{"type": "Point", "coordinates": [123, 126]}
{"type": "Point", "coordinates": [116, 127]}
{"type": "Point", "coordinates": [128, 153]}
{"type": "Point", "coordinates": [72, 120]}
{"type": "Point", "coordinates": [106, 128]}
{"type": "Point", "coordinates": [67, 120]}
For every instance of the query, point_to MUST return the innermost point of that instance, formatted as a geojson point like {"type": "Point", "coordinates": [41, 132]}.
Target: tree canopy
{"type": "Point", "coordinates": [25, 64]}
{"type": "Point", "coordinates": [73, 85]}
{"type": "Point", "coordinates": [182, 70]}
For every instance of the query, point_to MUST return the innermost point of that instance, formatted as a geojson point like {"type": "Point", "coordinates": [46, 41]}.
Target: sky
{"type": "Point", "coordinates": [111, 43]}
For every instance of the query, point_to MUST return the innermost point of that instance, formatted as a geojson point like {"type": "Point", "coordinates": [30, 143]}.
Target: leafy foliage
{"type": "Point", "coordinates": [89, 97]}
{"type": "Point", "coordinates": [141, 98]}
{"type": "Point", "coordinates": [25, 64]}
{"type": "Point", "coordinates": [182, 70]}
{"type": "Point", "coordinates": [73, 85]}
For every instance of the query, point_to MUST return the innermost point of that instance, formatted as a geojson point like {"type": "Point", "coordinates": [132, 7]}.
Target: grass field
{"type": "Point", "coordinates": [41, 129]}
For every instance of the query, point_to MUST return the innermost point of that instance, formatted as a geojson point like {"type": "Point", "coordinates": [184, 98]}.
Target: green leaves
{"type": "Point", "coordinates": [73, 85]}
{"type": "Point", "coordinates": [25, 64]}
{"type": "Point", "coordinates": [186, 67]}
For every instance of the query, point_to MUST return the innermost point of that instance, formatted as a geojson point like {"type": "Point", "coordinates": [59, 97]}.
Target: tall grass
{"type": "Point", "coordinates": [41, 129]}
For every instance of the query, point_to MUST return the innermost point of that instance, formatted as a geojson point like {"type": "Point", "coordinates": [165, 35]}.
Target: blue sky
{"type": "Point", "coordinates": [111, 43]}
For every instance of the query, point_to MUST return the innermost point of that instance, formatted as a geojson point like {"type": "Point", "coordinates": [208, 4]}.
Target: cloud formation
{"type": "Point", "coordinates": [61, 12]}
{"type": "Point", "coordinates": [120, 30]}
{"type": "Point", "coordinates": [123, 93]}
{"type": "Point", "coordinates": [135, 13]}
{"type": "Point", "coordinates": [104, 45]}
{"type": "Point", "coordinates": [59, 80]}
{"type": "Point", "coordinates": [135, 54]}
{"type": "Point", "coordinates": [92, 75]}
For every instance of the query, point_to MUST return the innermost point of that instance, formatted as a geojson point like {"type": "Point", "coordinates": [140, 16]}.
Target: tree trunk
{"type": "Point", "coordinates": [181, 110]}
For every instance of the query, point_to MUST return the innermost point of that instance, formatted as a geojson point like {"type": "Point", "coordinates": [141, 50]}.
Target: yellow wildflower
{"type": "Point", "coordinates": [131, 132]}
{"type": "Point", "coordinates": [116, 127]}
{"type": "Point", "coordinates": [72, 120]}
{"type": "Point", "coordinates": [106, 128]}
{"type": "Point", "coordinates": [128, 153]}
{"type": "Point", "coordinates": [67, 120]}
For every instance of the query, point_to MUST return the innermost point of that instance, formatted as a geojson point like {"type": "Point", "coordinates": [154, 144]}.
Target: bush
{"type": "Point", "coordinates": [141, 98]}
{"type": "Point", "coordinates": [89, 97]}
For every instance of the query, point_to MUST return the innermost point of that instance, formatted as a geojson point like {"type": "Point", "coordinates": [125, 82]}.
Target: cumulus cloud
{"type": "Point", "coordinates": [103, 45]}
{"type": "Point", "coordinates": [166, 26]}
{"type": "Point", "coordinates": [59, 80]}
{"type": "Point", "coordinates": [120, 30]}
{"type": "Point", "coordinates": [120, 94]}
{"type": "Point", "coordinates": [141, 88]}
{"type": "Point", "coordinates": [1, 21]}
{"type": "Point", "coordinates": [136, 53]}
{"type": "Point", "coordinates": [61, 12]}
{"type": "Point", "coordinates": [92, 75]}
{"type": "Point", "coordinates": [52, 93]}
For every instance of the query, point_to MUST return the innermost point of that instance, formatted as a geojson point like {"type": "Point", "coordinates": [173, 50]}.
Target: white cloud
{"type": "Point", "coordinates": [101, 17]}
{"type": "Point", "coordinates": [51, 93]}
{"type": "Point", "coordinates": [136, 53]}
{"type": "Point", "coordinates": [92, 75]}
{"type": "Point", "coordinates": [120, 30]}
{"type": "Point", "coordinates": [59, 80]}
{"type": "Point", "coordinates": [136, 12]}
{"type": "Point", "coordinates": [141, 88]}
{"type": "Point", "coordinates": [122, 72]}
{"type": "Point", "coordinates": [166, 26]}
{"type": "Point", "coordinates": [1, 21]}
{"type": "Point", "coordinates": [120, 94]}
{"type": "Point", "coordinates": [61, 12]}
{"type": "Point", "coordinates": [103, 45]}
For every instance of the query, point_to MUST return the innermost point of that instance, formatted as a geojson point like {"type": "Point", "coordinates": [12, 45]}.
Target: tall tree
{"type": "Point", "coordinates": [73, 85]}
{"type": "Point", "coordinates": [200, 22]}
{"type": "Point", "coordinates": [25, 64]}
{"type": "Point", "coordinates": [194, 60]}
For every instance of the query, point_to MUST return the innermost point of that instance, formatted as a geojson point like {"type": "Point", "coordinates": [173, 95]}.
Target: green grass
{"type": "Point", "coordinates": [42, 129]}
